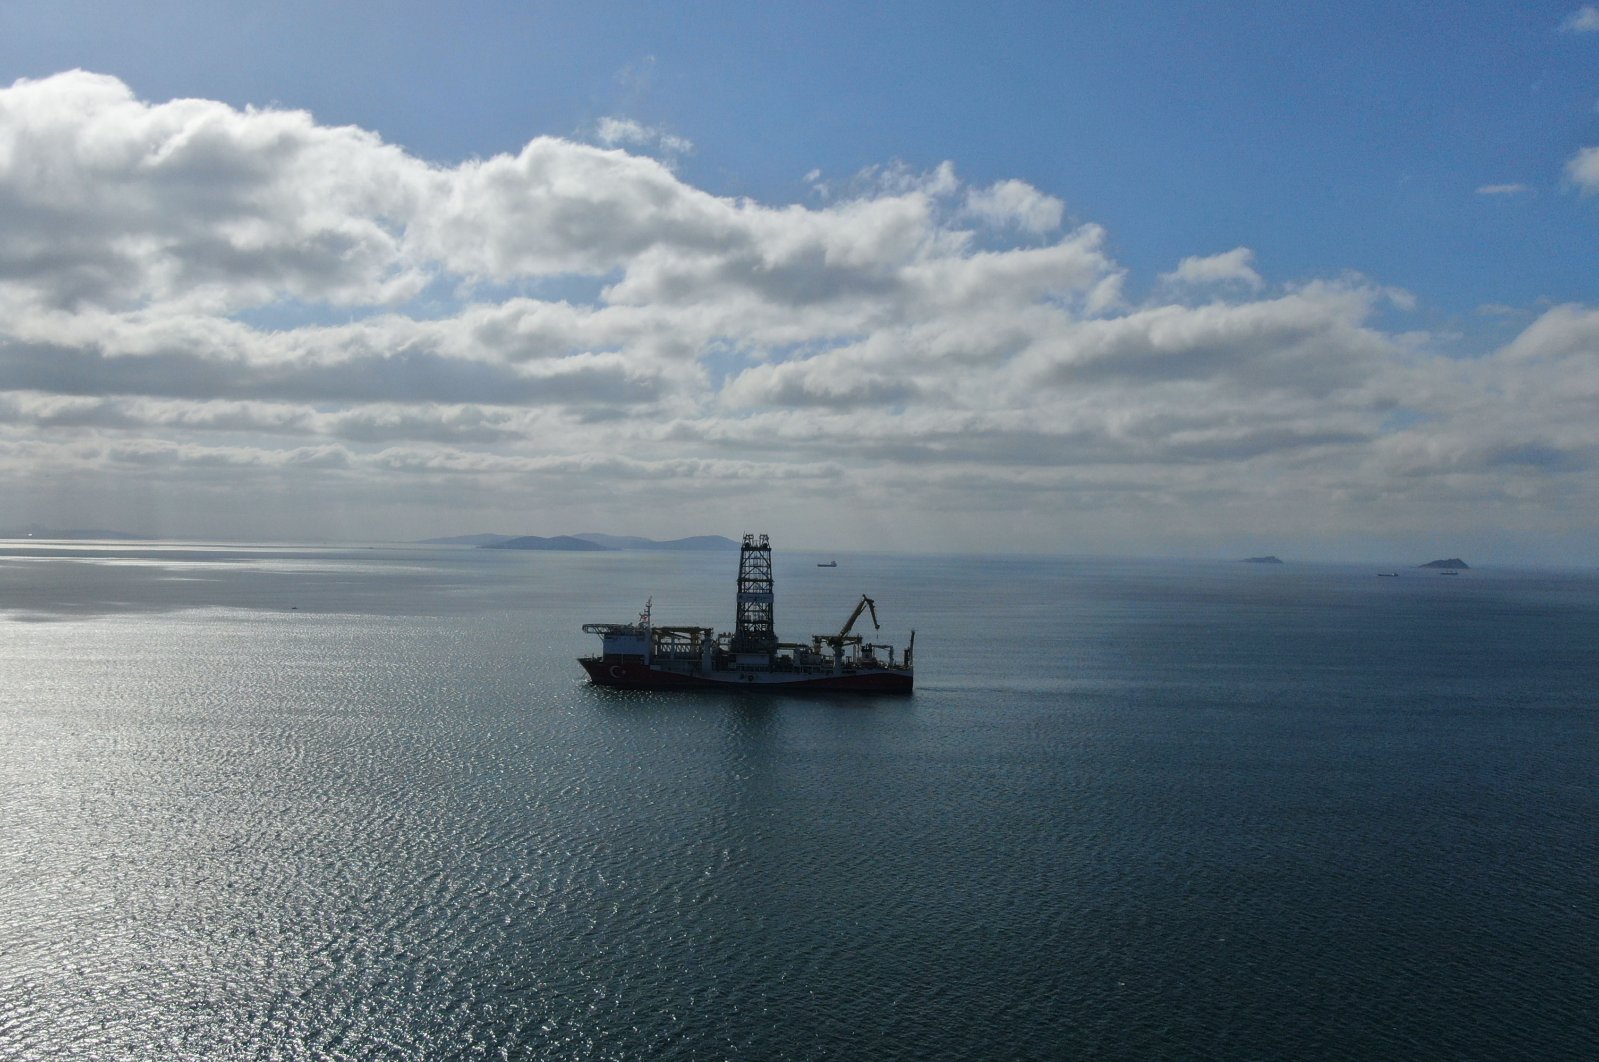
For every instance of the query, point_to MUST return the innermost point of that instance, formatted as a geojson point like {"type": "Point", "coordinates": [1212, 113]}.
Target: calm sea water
{"type": "Point", "coordinates": [360, 803]}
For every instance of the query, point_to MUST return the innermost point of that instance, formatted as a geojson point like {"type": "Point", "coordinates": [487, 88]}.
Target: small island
{"type": "Point", "coordinates": [1262, 560]}
{"type": "Point", "coordinates": [1452, 562]}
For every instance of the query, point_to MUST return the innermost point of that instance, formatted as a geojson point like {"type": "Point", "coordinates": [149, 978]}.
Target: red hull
{"type": "Point", "coordinates": [638, 676]}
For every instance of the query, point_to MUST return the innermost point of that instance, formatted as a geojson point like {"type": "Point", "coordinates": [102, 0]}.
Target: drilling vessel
{"type": "Point", "coordinates": [644, 656]}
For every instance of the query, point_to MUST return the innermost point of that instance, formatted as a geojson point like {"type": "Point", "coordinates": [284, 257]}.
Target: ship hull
{"type": "Point", "coordinates": [634, 675]}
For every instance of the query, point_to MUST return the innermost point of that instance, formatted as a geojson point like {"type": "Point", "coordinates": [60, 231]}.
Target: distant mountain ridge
{"type": "Point", "coordinates": [589, 541]}
{"type": "Point", "coordinates": [693, 542]}
{"type": "Point", "coordinates": [1452, 562]}
{"type": "Point", "coordinates": [559, 542]}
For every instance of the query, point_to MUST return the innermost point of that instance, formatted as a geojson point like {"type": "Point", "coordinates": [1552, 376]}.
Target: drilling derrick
{"type": "Point", "coordinates": [753, 631]}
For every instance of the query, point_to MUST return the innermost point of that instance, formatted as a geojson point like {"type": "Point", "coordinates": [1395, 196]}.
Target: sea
{"type": "Point", "coordinates": [285, 802]}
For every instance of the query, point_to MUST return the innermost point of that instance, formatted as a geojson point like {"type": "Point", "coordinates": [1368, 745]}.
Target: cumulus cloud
{"type": "Point", "coordinates": [906, 351]}
{"type": "Point", "coordinates": [1015, 203]}
{"type": "Point", "coordinates": [1230, 267]}
{"type": "Point", "coordinates": [106, 201]}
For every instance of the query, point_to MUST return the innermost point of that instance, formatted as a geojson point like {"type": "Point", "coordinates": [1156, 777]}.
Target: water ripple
{"type": "Point", "coordinates": [231, 832]}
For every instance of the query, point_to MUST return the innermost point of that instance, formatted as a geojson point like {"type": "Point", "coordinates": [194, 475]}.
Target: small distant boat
{"type": "Point", "coordinates": [1387, 575]}
{"type": "Point", "coordinates": [1449, 571]}
{"type": "Point", "coordinates": [827, 564]}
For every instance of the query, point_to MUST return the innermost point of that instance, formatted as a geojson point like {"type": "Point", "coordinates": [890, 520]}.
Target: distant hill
{"type": "Point", "coordinates": [1262, 560]}
{"type": "Point", "coordinates": [466, 540]}
{"type": "Point", "coordinates": [1452, 562]}
{"type": "Point", "coordinates": [695, 542]}
{"type": "Point", "coordinates": [559, 542]}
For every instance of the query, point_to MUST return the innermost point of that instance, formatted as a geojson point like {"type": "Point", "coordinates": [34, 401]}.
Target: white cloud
{"type": "Point", "coordinates": [1230, 267]}
{"type": "Point", "coordinates": [1017, 204]}
{"type": "Point", "coordinates": [625, 132]}
{"type": "Point", "coordinates": [912, 353]}
{"type": "Point", "coordinates": [111, 202]}
{"type": "Point", "coordinates": [1567, 331]}
{"type": "Point", "coordinates": [1503, 189]}
{"type": "Point", "coordinates": [898, 179]}
{"type": "Point", "coordinates": [559, 207]}
{"type": "Point", "coordinates": [1583, 20]}
{"type": "Point", "coordinates": [1583, 169]}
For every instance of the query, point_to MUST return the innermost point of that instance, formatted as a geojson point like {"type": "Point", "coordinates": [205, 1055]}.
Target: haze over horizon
{"type": "Point", "coordinates": [1031, 278]}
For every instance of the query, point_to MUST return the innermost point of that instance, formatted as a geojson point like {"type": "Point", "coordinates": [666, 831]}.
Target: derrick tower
{"type": "Point", "coordinates": [753, 631]}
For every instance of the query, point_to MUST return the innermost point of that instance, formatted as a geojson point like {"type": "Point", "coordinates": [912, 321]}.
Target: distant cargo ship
{"type": "Point", "coordinates": [644, 656]}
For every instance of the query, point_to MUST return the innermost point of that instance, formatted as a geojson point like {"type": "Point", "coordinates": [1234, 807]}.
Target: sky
{"type": "Point", "coordinates": [1183, 279]}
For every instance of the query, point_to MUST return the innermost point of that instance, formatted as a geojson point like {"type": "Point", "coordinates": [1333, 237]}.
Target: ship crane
{"type": "Point", "coordinates": [866, 605]}
{"type": "Point", "coordinates": [838, 641]}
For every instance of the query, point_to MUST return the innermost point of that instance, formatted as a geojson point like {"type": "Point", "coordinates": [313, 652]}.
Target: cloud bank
{"type": "Point", "coordinates": [225, 321]}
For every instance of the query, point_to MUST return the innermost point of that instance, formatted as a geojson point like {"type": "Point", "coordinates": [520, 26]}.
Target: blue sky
{"type": "Point", "coordinates": [1409, 178]}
